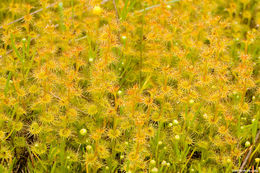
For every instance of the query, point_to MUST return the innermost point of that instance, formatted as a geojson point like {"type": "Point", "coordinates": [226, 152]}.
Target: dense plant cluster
{"type": "Point", "coordinates": [129, 86]}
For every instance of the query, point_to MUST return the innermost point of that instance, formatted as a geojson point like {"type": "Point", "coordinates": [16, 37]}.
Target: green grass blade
{"type": "Point", "coordinates": [8, 82]}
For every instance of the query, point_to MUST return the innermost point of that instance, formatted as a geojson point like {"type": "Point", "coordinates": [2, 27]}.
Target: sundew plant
{"type": "Point", "coordinates": [129, 86]}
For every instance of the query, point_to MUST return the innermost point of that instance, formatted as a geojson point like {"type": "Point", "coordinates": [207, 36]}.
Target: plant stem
{"type": "Point", "coordinates": [249, 153]}
{"type": "Point", "coordinates": [141, 49]}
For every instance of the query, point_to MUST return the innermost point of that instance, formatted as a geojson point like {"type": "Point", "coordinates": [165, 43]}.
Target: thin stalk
{"type": "Point", "coordinates": [62, 26]}
{"type": "Point", "coordinates": [72, 4]}
{"type": "Point", "coordinates": [117, 14]}
{"type": "Point", "coordinates": [141, 50]}
{"type": "Point", "coordinates": [157, 5]}
{"type": "Point", "coordinates": [35, 12]}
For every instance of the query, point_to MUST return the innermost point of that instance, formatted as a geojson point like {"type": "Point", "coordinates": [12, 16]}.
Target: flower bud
{"type": "Point", "coordinates": [90, 59]}
{"type": "Point", "coordinates": [61, 5]}
{"type": "Point", "coordinates": [119, 92]}
{"type": "Point", "coordinates": [247, 144]}
{"type": "Point", "coordinates": [83, 132]}
{"type": "Point", "coordinates": [177, 137]}
{"type": "Point", "coordinates": [228, 161]}
{"type": "Point", "coordinates": [97, 10]}
{"type": "Point", "coordinates": [175, 122]}
{"type": "Point", "coordinates": [191, 101]}
{"type": "Point", "coordinates": [164, 163]}
{"type": "Point", "coordinates": [123, 37]}
{"type": "Point", "coordinates": [154, 170]}
{"type": "Point", "coordinates": [152, 162]}
{"type": "Point", "coordinates": [89, 147]}
{"type": "Point", "coordinates": [24, 40]}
